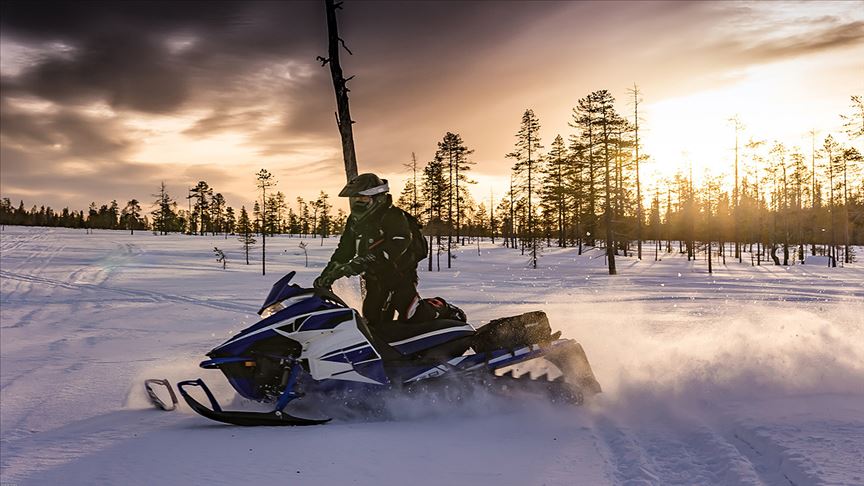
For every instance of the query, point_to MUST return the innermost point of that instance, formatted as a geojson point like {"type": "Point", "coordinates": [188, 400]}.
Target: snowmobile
{"type": "Point", "coordinates": [310, 341]}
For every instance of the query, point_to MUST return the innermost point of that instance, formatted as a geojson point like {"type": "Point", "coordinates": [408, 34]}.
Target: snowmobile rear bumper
{"type": "Point", "coordinates": [276, 417]}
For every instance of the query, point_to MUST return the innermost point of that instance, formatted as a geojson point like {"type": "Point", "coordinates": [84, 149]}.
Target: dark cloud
{"type": "Point", "coordinates": [82, 138]}
{"type": "Point", "coordinates": [69, 20]}
{"type": "Point", "coordinates": [222, 120]}
{"type": "Point", "coordinates": [132, 54]}
{"type": "Point", "coordinates": [63, 134]}
{"type": "Point", "coordinates": [126, 72]}
{"type": "Point", "coordinates": [837, 36]}
{"type": "Point", "coordinates": [24, 129]}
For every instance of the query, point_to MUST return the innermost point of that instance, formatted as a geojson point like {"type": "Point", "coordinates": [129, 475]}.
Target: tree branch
{"type": "Point", "coordinates": [342, 41]}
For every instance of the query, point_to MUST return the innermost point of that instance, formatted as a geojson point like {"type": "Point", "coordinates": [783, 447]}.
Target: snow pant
{"type": "Point", "coordinates": [385, 297]}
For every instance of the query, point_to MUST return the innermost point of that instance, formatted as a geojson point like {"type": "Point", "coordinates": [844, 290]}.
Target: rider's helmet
{"type": "Point", "coordinates": [366, 193]}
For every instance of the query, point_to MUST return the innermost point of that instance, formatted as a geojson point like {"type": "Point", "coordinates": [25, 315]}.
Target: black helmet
{"type": "Point", "coordinates": [370, 186]}
{"type": "Point", "coordinates": [364, 185]}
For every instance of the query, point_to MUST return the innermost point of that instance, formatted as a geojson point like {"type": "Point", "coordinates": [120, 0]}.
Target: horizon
{"type": "Point", "coordinates": [112, 99]}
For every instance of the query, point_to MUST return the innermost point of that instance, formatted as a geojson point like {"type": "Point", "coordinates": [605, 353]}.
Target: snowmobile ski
{"type": "Point", "coordinates": [154, 397]}
{"type": "Point", "coordinates": [246, 419]}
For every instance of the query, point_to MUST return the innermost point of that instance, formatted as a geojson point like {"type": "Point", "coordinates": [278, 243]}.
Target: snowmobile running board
{"type": "Point", "coordinates": [248, 419]}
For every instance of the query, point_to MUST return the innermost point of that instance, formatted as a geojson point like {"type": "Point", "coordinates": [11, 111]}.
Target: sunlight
{"type": "Point", "coordinates": [697, 128]}
{"type": "Point", "coordinates": [166, 143]}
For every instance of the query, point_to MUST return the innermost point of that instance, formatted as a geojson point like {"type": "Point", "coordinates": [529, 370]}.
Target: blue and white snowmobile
{"type": "Point", "coordinates": [309, 341]}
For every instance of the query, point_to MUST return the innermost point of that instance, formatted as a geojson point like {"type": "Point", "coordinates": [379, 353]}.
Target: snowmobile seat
{"type": "Point", "coordinates": [515, 331]}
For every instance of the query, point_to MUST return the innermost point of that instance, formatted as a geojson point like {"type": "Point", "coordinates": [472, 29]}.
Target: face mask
{"type": "Point", "coordinates": [358, 206]}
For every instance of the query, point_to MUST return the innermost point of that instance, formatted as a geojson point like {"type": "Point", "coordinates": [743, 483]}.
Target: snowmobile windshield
{"type": "Point", "coordinates": [269, 311]}
{"type": "Point", "coordinates": [284, 304]}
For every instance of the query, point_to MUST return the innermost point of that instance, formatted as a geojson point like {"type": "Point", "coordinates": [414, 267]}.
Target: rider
{"type": "Point", "coordinates": [383, 245]}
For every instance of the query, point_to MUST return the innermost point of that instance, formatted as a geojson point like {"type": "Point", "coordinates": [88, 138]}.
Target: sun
{"type": "Point", "coordinates": [696, 131]}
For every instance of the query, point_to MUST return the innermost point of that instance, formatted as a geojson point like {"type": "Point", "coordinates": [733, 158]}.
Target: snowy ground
{"type": "Point", "coordinates": [754, 375]}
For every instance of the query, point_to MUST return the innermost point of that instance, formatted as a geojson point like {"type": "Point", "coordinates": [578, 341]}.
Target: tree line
{"type": "Point", "coordinates": [206, 213]}
{"type": "Point", "coordinates": [587, 191]}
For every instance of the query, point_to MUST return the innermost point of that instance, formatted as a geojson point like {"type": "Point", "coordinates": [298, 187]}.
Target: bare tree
{"type": "Point", "coordinates": [343, 115]}
{"type": "Point", "coordinates": [736, 122]}
{"type": "Point", "coordinates": [265, 180]}
{"type": "Point", "coordinates": [636, 100]}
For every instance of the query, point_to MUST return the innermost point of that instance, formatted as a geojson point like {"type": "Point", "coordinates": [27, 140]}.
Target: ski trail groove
{"type": "Point", "coordinates": [676, 450]}
{"type": "Point", "coordinates": [153, 296]}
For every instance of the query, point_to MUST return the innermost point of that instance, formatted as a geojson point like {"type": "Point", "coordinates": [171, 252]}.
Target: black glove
{"type": "Point", "coordinates": [357, 266]}
{"type": "Point", "coordinates": [329, 275]}
{"type": "Point", "coordinates": [324, 281]}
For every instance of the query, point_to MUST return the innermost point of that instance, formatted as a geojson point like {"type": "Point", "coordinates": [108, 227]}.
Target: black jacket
{"type": "Point", "coordinates": [384, 233]}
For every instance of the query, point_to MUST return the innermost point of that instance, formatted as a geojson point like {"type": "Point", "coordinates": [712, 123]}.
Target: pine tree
{"type": "Point", "coordinates": [435, 190]}
{"type": "Point", "coordinates": [799, 178]}
{"type": "Point", "coordinates": [554, 190]}
{"type": "Point", "coordinates": [585, 154]}
{"type": "Point", "coordinates": [131, 216]}
{"type": "Point", "coordinates": [528, 158]}
{"type": "Point", "coordinates": [608, 124]}
{"type": "Point", "coordinates": [217, 213]}
{"type": "Point", "coordinates": [339, 221]}
{"type": "Point", "coordinates": [246, 232]}
{"type": "Point", "coordinates": [831, 150]}
{"type": "Point", "coordinates": [410, 199]}
{"type": "Point", "coordinates": [323, 207]}
{"type": "Point", "coordinates": [112, 215]}
{"type": "Point", "coordinates": [848, 159]}
{"type": "Point", "coordinates": [302, 217]}
{"type": "Point", "coordinates": [163, 215]}
{"type": "Point", "coordinates": [854, 121]}
{"type": "Point", "coordinates": [454, 155]}
{"type": "Point", "coordinates": [229, 221]}
{"type": "Point", "coordinates": [7, 212]}
{"type": "Point", "coordinates": [201, 193]}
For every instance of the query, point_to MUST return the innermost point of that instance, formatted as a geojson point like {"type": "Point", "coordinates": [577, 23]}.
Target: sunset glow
{"type": "Point", "coordinates": [203, 99]}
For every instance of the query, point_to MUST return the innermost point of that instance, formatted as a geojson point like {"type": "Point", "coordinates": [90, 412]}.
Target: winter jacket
{"type": "Point", "coordinates": [386, 234]}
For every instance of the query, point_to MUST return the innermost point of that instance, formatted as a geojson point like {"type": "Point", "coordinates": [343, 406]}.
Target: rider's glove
{"type": "Point", "coordinates": [357, 266]}
{"type": "Point", "coordinates": [324, 281]}
{"type": "Point", "coordinates": [331, 273]}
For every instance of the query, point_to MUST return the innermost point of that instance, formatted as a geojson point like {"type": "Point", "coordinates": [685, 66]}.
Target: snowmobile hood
{"type": "Point", "coordinates": [283, 289]}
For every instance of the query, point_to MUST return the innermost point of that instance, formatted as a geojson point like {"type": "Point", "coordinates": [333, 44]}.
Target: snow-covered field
{"type": "Point", "coordinates": [754, 375]}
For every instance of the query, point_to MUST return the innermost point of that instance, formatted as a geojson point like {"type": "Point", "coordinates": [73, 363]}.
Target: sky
{"type": "Point", "coordinates": [103, 100]}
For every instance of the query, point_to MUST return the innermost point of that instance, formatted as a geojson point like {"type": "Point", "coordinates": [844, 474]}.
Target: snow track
{"type": "Point", "coordinates": [129, 294]}
{"type": "Point", "coordinates": [679, 451]}
{"type": "Point", "coordinates": [750, 376]}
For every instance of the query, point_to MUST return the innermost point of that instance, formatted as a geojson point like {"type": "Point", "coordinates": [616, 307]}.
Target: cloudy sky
{"type": "Point", "coordinates": [102, 101]}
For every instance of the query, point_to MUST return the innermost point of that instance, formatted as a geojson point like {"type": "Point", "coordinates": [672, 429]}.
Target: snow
{"type": "Point", "coordinates": [753, 375]}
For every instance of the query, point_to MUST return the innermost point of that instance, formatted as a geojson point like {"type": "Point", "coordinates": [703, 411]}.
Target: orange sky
{"type": "Point", "coordinates": [113, 99]}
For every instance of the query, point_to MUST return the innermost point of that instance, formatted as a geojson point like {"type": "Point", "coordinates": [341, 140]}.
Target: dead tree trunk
{"type": "Point", "coordinates": [343, 114]}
